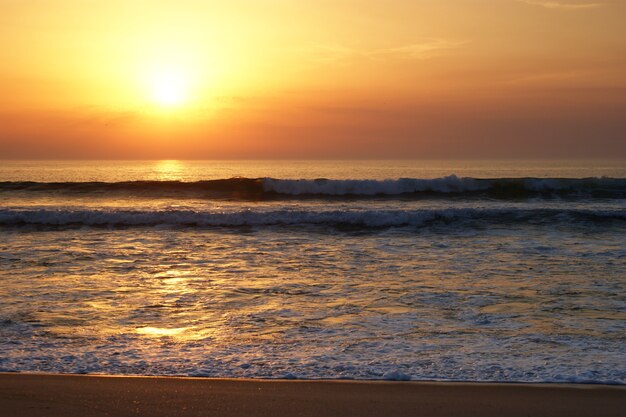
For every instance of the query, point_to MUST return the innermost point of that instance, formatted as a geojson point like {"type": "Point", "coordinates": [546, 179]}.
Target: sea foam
{"type": "Point", "coordinates": [285, 217]}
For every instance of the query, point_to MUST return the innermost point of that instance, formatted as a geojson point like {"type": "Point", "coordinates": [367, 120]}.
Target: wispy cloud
{"type": "Point", "coordinates": [423, 49]}
{"type": "Point", "coordinates": [553, 4]}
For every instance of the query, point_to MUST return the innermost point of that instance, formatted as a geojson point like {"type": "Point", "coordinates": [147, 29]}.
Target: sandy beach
{"type": "Point", "coordinates": [31, 395]}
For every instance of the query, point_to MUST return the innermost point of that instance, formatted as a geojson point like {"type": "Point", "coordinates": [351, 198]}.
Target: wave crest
{"type": "Point", "coordinates": [351, 218]}
{"type": "Point", "coordinates": [271, 188]}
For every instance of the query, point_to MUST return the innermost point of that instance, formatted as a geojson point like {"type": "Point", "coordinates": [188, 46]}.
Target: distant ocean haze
{"type": "Point", "coordinates": [453, 270]}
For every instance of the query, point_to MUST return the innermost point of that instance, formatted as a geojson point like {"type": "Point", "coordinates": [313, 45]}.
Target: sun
{"type": "Point", "coordinates": [169, 87]}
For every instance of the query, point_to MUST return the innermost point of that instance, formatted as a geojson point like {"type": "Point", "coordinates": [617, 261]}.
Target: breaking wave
{"type": "Point", "coordinates": [351, 218]}
{"type": "Point", "coordinates": [256, 188]}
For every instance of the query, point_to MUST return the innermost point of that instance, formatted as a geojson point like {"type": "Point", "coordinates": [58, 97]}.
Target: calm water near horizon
{"type": "Point", "coordinates": [447, 270]}
{"type": "Point", "coordinates": [111, 171]}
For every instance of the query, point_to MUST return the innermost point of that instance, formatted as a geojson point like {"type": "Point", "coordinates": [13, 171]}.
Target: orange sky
{"type": "Point", "coordinates": [312, 79]}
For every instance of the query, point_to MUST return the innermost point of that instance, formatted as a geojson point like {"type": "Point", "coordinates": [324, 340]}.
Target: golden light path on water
{"type": "Point", "coordinates": [156, 331]}
{"type": "Point", "coordinates": [169, 170]}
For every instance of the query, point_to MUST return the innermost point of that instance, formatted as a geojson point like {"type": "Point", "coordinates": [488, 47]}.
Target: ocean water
{"type": "Point", "coordinates": [437, 270]}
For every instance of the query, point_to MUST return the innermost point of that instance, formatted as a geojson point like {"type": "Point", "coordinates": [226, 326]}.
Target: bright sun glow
{"type": "Point", "coordinates": [169, 87]}
{"type": "Point", "coordinates": [158, 331]}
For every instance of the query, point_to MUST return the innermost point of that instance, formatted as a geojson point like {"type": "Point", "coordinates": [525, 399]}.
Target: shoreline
{"type": "Point", "coordinates": [340, 380]}
{"type": "Point", "coordinates": [35, 394]}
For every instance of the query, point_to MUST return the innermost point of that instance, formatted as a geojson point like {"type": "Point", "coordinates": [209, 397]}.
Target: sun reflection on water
{"type": "Point", "coordinates": [160, 331]}
{"type": "Point", "coordinates": [169, 170]}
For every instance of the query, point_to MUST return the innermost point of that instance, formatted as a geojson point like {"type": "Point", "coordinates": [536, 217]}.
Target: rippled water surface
{"type": "Point", "coordinates": [450, 285]}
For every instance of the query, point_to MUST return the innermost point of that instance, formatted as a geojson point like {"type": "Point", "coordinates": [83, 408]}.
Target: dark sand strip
{"type": "Point", "coordinates": [26, 395]}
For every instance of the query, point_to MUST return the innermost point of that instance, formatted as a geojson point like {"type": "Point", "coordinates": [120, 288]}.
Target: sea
{"type": "Point", "coordinates": [509, 271]}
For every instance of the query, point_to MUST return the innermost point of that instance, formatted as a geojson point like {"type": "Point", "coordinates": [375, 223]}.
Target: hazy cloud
{"type": "Point", "coordinates": [552, 4]}
{"type": "Point", "coordinates": [422, 49]}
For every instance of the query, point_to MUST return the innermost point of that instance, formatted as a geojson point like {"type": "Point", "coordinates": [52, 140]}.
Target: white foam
{"type": "Point", "coordinates": [451, 184]}
{"type": "Point", "coordinates": [363, 218]}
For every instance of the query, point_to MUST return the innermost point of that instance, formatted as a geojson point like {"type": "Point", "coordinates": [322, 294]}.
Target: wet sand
{"type": "Point", "coordinates": [29, 395]}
